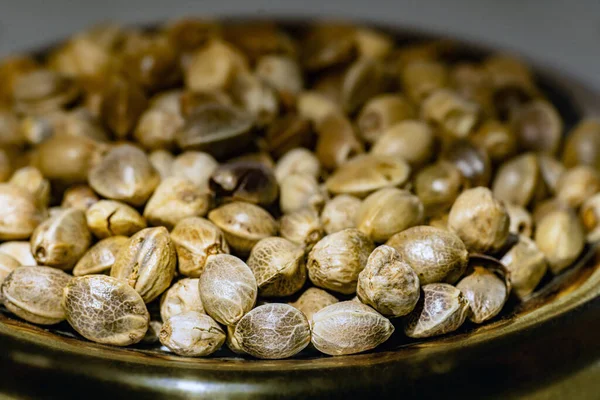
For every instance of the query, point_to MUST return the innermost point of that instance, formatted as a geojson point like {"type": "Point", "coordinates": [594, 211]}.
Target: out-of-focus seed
{"type": "Point", "coordinates": [213, 66]}
{"type": "Point", "coordinates": [162, 161]}
{"type": "Point", "coordinates": [380, 113]}
{"type": "Point", "coordinates": [472, 161]}
{"type": "Point", "coordinates": [123, 102]}
{"type": "Point", "coordinates": [216, 129]}
{"type": "Point", "coordinates": [526, 265]}
{"type": "Point", "coordinates": [340, 213]}
{"type": "Point", "coordinates": [538, 127]}
{"type": "Point", "coordinates": [577, 184]}
{"type": "Point", "coordinates": [174, 200]}
{"type": "Point", "coordinates": [582, 145]}
{"type": "Point", "coordinates": [521, 222]}
{"type": "Point", "coordinates": [497, 139]}
{"type": "Point", "coordinates": [454, 115]}
{"type": "Point", "coordinates": [288, 133]}
{"type": "Point", "coordinates": [480, 220]}
{"type": "Point", "coordinates": [244, 181]}
{"type": "Point", "coordinates": [299, 191]}
{"type": "Point", "coordinates": [365, 174]}
{"type": "Point", "coordinates": [561, 237]}
{"type": "Point", "coordinates": [302, 227]}
{"type": "Point", "coordinates": [410, 140]}
{"type": "Point", "coordinates": [388, 211]}
{"type": "Point", "coordinates": [421, 78]}
{"type": "Point", "coordinates": [437, 186]}
{"type": "Point", "coordinates": [589, 213]}
{"type": "Point", "coordinates": [337, 142]}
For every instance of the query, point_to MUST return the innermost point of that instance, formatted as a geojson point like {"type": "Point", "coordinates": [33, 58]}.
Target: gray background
{"type": "Point", "coordinates": [561, 34]}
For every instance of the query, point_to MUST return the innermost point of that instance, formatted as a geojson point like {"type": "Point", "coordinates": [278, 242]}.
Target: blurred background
{"type": "Point", "coordinates": [560, 33]}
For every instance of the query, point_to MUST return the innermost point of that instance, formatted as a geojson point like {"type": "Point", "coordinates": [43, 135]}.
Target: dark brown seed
{"type": "Point", "coordinates": [216, 129]}
{"type": "Point", "coordinates": [245, 181]}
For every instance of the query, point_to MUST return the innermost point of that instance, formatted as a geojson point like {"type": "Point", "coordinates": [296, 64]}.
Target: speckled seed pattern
{"type": "Point", "coordinates": [337, 259]}
{"type": "Point", "coordinates": [273, 331]}
{"type": "Point", "coordinates": [349, 327]}
{"type": "Point", "coordinates": [147, 263]}
{"type": "Point", "coordinates": [486, 294]}
{"type": "Point", "coordinates": [227, 288]}
{"type": "Point", "coordinates": [388, 283]}
{"type": "Point", "coordinates": [441, 309]}
{"type": "Point", "coordinates": [436, 255]}
{"type": "Point", "coordinates": [105, 310]}
{"type": "Point", "coordinates": [192, 334]}
{"type": "Point", "coordinates": [278, 266]}
{"type": "Point", "coordinates": [35, 294]}
{"type": "Point", "coordinates": [195, 239]}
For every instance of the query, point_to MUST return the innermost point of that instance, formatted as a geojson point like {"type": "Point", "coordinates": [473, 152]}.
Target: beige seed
{"type": "Point", "coordinates": [147, 263]}
{"type": "Point", "coordinates": [61, 240]}
{"type": "Point", "coordinates": [486, 293]}
{"type": "Point", "coordinates": [410, 140]}
{"type": "Point", "coordinates": [19, 213]}
{"type": "Point", "coordinates": [577, 184]}
{"type": "Point", "coordinates": [560, 236]}
{"type": "Point", "coordinates": [297, 161]}
{"type": "Point", "coordinates": [340, 213]}
{"type": "Point", "coordinates": [182, 297]}
{"type": "Point", "coordinates": [441, 309]}
{"type": "Point", "coordinates": [195, 239]}
{"type": "Point", "coordinates": [243, 224]}
{"type": "Point", "coordinates": [125, 174]}
{"type": "Point", "coordinates": [20, 251]}
{"type": "Point", "coordinates": [272, 331]}
{"type": "Point", "coordinates": [32, 180]}
{"type": "Point", "coordinates": [387, 212]}
{"type": "Point", "coordinates": [174, 200]}
{"type": "Point", "coordinates": [300, 191]}
{"type": "Point", "coordinates": [278, 266]}
{"type": "Point", "coordinates": [349, 327]}
{"type": "Point", "coordinates": [336, 260]}
{"type": "Point", "coordinates": [480, 220]}
{"type": "Point", "coordinates": [313, 300]}
{"type": "Point", "coordinates": [192, 334]}
{"type": "Point", "coordinates": [388, 283]}
{"type": "Point", "coordinates": [100, 257]}
{"type": "Point", "coordinates": [195, 166]}
{"type": "Point", "coordinates": [81, 197]}
{"type": "Point", "coordinates": [436, 255]}
{"type": "Point", "coordinates": [113, 218]}
{"type": "Point", "coordinates": [526, 265]}
{"type": "Point", "coordinates": [35, 294]}
{"type": "Point", "coordinates": [105, 310]}
{"type": "Point", "coordinates": [227, 288]}
{"type": "Point", "coordinates": [365, 174]}
{"type": "Point", "coordinates": [162, 161]}
{"type": "Point", "coordinates": [302, 227]}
